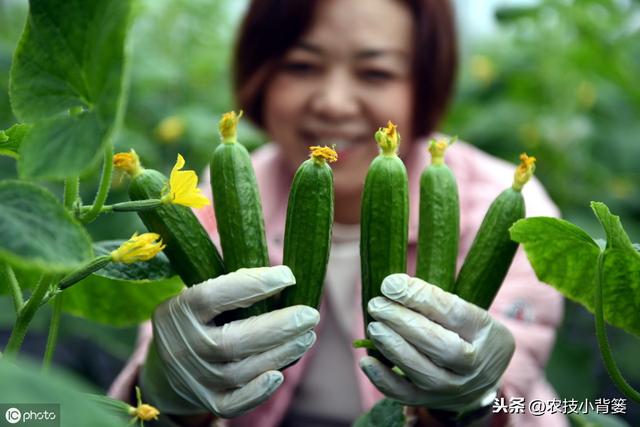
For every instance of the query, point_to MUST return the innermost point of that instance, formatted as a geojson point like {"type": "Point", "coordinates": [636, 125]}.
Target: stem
{"type": "Point", "coordinates": [25, 317]}
{"type": "Point", "coordinates": [103, 189]}
{"type": "Point", "coordinates": [133, 206]}
{"type": "Point", "coordinates": [71, 191]}
{"type": "Point", "coordinates": [52, 339]}
{"type": "Point", "coordinates": [82, 272]}
{"type": "Point", "coordinates": [7, 275]}
{"type": "Point", "coordinates": [603, 342]}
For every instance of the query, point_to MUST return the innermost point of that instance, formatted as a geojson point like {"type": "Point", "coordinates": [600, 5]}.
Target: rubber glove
{"type": "Point", "coordinates": [452, 353]}
{"type": "Point", "coordinates": [194, 366]}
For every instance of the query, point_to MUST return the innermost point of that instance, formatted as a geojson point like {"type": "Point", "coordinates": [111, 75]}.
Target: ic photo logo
{"type": "Point", "coordinates": [13, 415]}
{"type": "Point", "coordinates": [30, 414]}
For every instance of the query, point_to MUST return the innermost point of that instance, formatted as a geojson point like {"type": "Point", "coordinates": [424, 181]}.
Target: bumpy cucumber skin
{"type": "Point", "coordinates": [239, 218]}
{"type": "Point", "coordinates": [439, 227]}
{"type": "Point", "coordinates": [189, 248]}
{"type": "Point", "coordinates": [307, 237]}
{"type": "Point", "coordinates": [384, 228]}
{"type": "Point", "coordinates": [492, 251]}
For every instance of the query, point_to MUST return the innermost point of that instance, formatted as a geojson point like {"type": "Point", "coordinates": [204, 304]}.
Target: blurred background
{"type": "Point", "coordinates": [556, 78]}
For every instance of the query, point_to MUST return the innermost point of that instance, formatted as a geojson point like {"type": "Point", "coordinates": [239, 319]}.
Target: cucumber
{"type": "Point", "coordinates": [307, 236]}
{"type": "Point", "coordinates": [492, 251]}
{"type": "Point", "coordinates": [439, 221]}
{"type": "Point", "coordinates": [190, 250]}
{"type": "Point", "coordinates": [384, 219]}
{"type": "Point", "coordinates": [238, 209]}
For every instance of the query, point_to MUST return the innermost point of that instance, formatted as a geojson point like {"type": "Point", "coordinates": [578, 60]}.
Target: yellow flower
{"type": "Point", "coordinates": [524, 171]}
{"type": "Point", "coordinates": [323, 153]}
{"type": "Point", "coordinates": [183, 187]}
{"type": "Point", "coordinates": [170, 129]}
{"type": "Point", "coordinates": [138, 248]}
{"type": "Point", "coordinates": [228, 126]}
{"type": "Point", "coordinates": [144, 411]}
{"type": "Point", "coordinates": [388, 138]}
{"type": "Point", "coordinates": [128, 162]}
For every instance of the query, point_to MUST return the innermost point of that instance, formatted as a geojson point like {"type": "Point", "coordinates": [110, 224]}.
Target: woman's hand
{"type": "Point", "coordinates": [194, 366]}
{"type": "Point", "coordinates": [451, 352]}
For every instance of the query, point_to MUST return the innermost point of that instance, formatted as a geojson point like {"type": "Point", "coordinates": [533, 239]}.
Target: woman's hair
{"type": "Point", "coordinates": [271, 27]}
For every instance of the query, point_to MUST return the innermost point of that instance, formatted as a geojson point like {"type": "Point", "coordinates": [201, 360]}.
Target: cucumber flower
{"type": "Point", "coordinates": [321, 154]}
{"type": "Point", "coordinates": [141, 247]}
{"type": "Point", "coordinates": [228, 126]}
{"type": "Point", "coordinates": [524, 171]}
{"type": "Point", "coordinates": [128, 162]}
{"type": "Point", "coordinates": [183, 187]}
{"type": "Point", "coordinates": [388, 138]}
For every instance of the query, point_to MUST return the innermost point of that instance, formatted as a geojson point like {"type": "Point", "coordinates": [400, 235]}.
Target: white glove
{"type": "Point", "coordinates": [194, 366]}
{"type": "Point", "coordinates": [451, 352]}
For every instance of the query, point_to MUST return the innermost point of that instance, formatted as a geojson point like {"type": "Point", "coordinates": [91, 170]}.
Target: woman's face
{"type": "Point", "coordinates": [346, 77]}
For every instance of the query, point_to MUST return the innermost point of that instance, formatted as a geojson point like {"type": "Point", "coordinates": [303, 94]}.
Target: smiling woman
{"type": "Point", "coordinates": [338, 70]}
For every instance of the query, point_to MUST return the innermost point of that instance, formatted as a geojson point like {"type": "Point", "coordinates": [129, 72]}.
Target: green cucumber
{"type": "Point", "coordinates": [189, 248]}
{"type": "Point", "coordinates": [439, 221]}
{"type": "Point", "coordinates": [492, 251]}
{"type": "Point", "coordinates": [307, 236]}
{"type": "Point", "coordinates": [384, 220]}
{"type": "Point", "coordinates": [238, 209]}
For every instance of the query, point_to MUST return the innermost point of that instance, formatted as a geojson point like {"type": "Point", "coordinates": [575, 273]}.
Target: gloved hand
{"type": "Point", "coordinates": [451, 352]}
{"type": "Point", "coordinates": [194, 366]}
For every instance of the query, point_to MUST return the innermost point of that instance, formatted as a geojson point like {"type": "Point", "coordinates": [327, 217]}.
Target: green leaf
{"type": "Point", "coordinates": [157, 268]}
{"type": "Point", "coordinates": [621, 290]}
{"type": "Point", "coordinates": [616, 236]}
{"type": "Point", "coordinates": [385, 413]}
{"type": "Point", "coordinates": [11, 139]}
{"type": "Point", "coordinates": [562, 255]}
{"type": "Point", "coordinates": [67, 78]}
{"type": "Point", "coordinates": [118, 302]}
{"type": "Point", "coordinates": [25, 384]}
{"type": "Point", "coordinates": [36, 232]}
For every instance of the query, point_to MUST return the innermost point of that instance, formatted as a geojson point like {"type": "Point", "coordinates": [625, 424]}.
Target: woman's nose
{"type": "Point", "coordinates": [335, 97]}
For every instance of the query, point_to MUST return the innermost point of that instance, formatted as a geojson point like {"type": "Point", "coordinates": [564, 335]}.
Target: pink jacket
{"type": "Point", "coordinates": [529, 308]}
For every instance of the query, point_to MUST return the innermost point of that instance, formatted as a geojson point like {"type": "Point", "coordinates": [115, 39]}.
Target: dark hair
{"type": "Point", "coordinates": [271, 27]}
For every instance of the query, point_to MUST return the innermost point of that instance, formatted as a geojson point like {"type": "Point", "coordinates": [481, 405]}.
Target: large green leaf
{"type": "Point", "coordinates": [25, 384]}
{"type": "Point", "coordinates": [36, 232]}
{"type": "Point", "coordinates": [117, 302]}
{"type": "Point", "coordinates": [67, 79]}
{"type": "Point", "coordinates": [562, 255]}
{"type": "Point", "coordinates": [11, 139]}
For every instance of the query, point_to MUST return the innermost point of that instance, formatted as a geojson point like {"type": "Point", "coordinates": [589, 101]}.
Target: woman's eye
{"type": "Point", "coordinates": [376, 75]}
{"type": "Point", "coordinates": [299, 67]}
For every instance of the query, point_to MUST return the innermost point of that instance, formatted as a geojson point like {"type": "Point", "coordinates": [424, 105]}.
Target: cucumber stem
{"type": "Point", "coordinates": [52, 338]}
{"type": "Point", "coordinates": [603, 342]}
{"type": "Point", "coordinates": [524, 171]}
{"type": "Point", "coordinates": [8, 276]}
{"type": "Point", "coordinates": [25, 317]}
{"type": "Point", "coordinates": [388, 139]}
{"type": "Point", "coordinates": [363, 343]}
{"type": "Point", "coordinates": [71, 190]}
{"type": "Point", "coordinates": [228, 127]}
{"type": "Point", "coordinates": [321, 155]}
{"type": "Point", "coordinates": [103, 188]}
{"type": "Point", "coordinates": [82, 272]}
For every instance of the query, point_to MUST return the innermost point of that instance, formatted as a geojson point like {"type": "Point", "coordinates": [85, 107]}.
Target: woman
{"type": "Point", "coordinates": [332, 72]}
